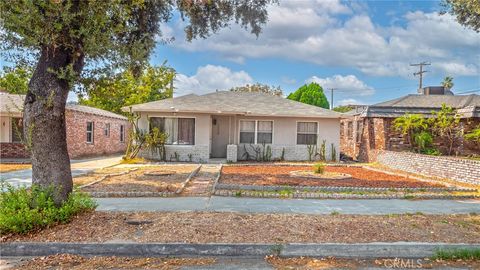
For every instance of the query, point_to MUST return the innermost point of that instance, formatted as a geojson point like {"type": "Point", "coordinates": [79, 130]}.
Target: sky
{"type": "Point", "coordinates": [362, 48]}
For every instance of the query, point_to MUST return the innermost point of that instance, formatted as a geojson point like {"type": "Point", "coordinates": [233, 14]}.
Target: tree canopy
{"type": "Point", "coordinates": [448, 82]}
{"type": "Point", "coordinates": [259, 88]}
{"type": "Point", "coordinates": [467, 12]}
{"type": "Point", "coordinates": [343, 109]}
{"type": "Point", "coordinates": [15, 80]}
{"type": "Point", "coordinates": [310, 94]}
{"type": "Point", "coordinates": [124, 89]}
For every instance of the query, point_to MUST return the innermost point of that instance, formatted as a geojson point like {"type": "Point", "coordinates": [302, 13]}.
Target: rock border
{"type": "Point", "coordinates": [313, 195]}
{"type": "Point", "coordinates": [339, 250]}
{"type": "Point", "coordinates": [221, 186]}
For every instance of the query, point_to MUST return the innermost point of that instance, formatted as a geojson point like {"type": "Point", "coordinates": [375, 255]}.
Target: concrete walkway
{"type": "Point", "coordinates": [79, 167]}
{"type": "Point", "coordinates": [297, 206]}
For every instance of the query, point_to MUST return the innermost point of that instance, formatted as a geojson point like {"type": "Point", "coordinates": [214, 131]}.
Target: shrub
{"type": "Point", "coordinates": [474, 135]}
{"type": "Point", "coordinates": [423, 140]}
{"type": "Point", "coordinates": [431, 152]}
{"type": "Point", "coordinates": [319, 168]}
{"type": "Point", "coordinates": [23, 210]}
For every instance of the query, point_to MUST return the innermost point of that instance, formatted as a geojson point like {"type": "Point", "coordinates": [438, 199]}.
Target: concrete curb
{"type": "Point", "coordinates": [366, 250]}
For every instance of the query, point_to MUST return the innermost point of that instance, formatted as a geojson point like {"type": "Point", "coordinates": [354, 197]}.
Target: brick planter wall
{"type": "Point", "coordinates": [462, 170]}
{"type": "Point", "coordinates": [13, 150]}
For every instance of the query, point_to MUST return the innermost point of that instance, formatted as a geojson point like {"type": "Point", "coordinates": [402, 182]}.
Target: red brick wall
{"type": "Point", "coordinates": [379, 134]}
{"type": "Point", "coordinates": [13, 150]}
{"type": "Point", "coordinates": [76, 123]}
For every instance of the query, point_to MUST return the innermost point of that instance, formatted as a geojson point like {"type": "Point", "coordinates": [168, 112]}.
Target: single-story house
{"type": "Point", "coordinates": [90, 131]}
{"type": "Point", "coordinates": [370, 128]}
{"type": "Point", "coordinates": [227, 124]}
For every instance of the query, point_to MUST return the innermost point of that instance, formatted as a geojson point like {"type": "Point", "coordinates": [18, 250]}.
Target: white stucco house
{"type": "Point", "coordinates": [223, 124]}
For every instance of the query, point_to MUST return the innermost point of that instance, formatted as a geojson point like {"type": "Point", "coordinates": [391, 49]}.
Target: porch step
{"type": "Point", "coordinates": [202, 183]}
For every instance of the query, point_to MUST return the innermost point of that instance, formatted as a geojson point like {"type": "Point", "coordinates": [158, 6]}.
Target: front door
{"type": "Point", "coordinates": [220, 129]}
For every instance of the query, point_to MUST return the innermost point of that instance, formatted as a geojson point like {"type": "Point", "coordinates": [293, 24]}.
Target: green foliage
{"type": "Point", "coordinates": [111, 93]}
{"type": "Point", "coordinates": [431, 151]}
{"type": "Point", "coordinates": [310, 94]}
{"type": "Point", "coordinates": [467, 12]}
{"type": "Point", "coordinates": [423, 140]}
{"type": "Point", "coordinates": [473, 135]}
{"type": "Point", "coordinates": [343, 109]}
{"type": "Point", "coordinates": [282, 156]}
{"type": "Point", "coordinates": [312, 151]}
{"type": "Point", "coordinates": [155, 141]}
{"type": "Point", "coordinates": [23, 210]}
{"type": "Point", "coordinates": [448, 82]}
{"type": "Point", "coordinates": [15, 80]}
{"type": "Point", "coordinates": [409, 125]}
{"type": "Point", "coordinates": [136, 138]}
{"type": "Point", "coordinates": [323, 151]}
{"type": "Point", "coordinates": [259, 88]}
{"type": "Point", "coordinates": [333, 153]}
{"type": "Point", "coordinates": [319, 168]}
{"type": "Point", "coordinates": [457, 254]}
{"type": "Point", "coordinates": [446, 124]}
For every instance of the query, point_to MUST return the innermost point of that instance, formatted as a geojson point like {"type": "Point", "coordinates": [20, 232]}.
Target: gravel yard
{"type": "Point", "coordinates": [143, 179]}
{"type": "Point", "coordinates": [203, 227]}
{"type": "Point", "coordinates": [280, 175]}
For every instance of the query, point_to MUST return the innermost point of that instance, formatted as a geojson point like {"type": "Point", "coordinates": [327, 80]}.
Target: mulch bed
{"type": "Point", "coordinates": [145, 179]}
{"type": "Point", "coordinates": [207, 227]}
{"type": "Point", "coordinates": [69, 261]}
{"type": "Point", "coordinates": [381, 263]}
{"type": "Point", "coordinates": [280, 175]}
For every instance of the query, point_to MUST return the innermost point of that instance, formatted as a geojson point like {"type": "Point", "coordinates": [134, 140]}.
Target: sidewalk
{"type": "Point", "coordinates": [292, 206]}
{"type": "Point", "coordinates": [79, 167]}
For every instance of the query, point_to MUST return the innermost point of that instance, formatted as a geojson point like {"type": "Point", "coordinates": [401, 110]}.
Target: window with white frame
{"type": "Point", "coordinates": [264, 132]}
{"type": "Point", "coordinates": [180, 130]}
{"type": "Point", "coordinates": [256, 132]}
{"type": "Point", "coordinates": [90, 134]}
{"type": "Point", "coordinates": [307, 133]}
{"type": "Point", "coordinates": [122, 133]}
{"type": "Point", "coordinates": [247, 131]}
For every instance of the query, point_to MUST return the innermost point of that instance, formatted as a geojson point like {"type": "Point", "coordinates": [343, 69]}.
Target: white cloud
{"type": "Point", "coordinates": [348, 101]}
{"type": "Point", "coordinates": [348, 85]}
{"type": "Point", "coordinates": [315, 32]}
{"type": "Point", "coordinates": [210, 78]}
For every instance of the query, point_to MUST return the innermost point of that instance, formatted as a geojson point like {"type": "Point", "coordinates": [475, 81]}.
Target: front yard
{"type": "Point", "coordinates": [336, 182]}
{"type": "Point", "coordinates": [206, 227]}
{"type": "Point", "coordinates": [10, 167]}
{"type": "Point", "coordinates": [151, 179]}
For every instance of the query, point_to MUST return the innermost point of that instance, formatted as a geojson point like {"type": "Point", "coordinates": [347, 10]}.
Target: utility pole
{"type": "Point", "coordinates": [420, 72]}
{"type": "Point", "coordinates": [331, 97]}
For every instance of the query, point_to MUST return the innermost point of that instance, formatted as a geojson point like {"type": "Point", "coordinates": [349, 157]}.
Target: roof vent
{"type": "Point", "coordinates": [435, 90]}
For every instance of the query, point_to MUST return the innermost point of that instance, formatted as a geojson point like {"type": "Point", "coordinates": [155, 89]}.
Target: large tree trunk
{"type": "Point", "coordinates": [44, 121]}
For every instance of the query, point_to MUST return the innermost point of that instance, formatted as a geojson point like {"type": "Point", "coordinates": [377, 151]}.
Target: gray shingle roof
{"type": "Point", "coordinates": [10, 103]}
{"type": "Point", "coordinates": [227, 102]}
{"type": "Point", "coordinates": [467, 105]}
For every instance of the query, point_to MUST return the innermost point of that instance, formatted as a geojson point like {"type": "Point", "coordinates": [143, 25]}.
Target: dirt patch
{"type": "Point", "coordinates": [97, 175]}
{"type": "Point", "coordinates": [6, 167]}
{"type": "Point", "coordinates": [280, 175]}
{"type": "Point", "coordinates": [206, 227]}
{"type": "Point", "coordinates": [68, 261]}
{"type": "Point", "coordinates": [145, 179]}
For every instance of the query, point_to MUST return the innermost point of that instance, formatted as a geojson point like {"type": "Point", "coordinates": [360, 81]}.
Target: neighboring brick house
{"type": "Point", "coordinates": [90, 131]}
{"type": "Point", "coordinates": [371, 127]}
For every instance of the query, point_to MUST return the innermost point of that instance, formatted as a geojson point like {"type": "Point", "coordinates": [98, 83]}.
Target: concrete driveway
{"type": "Point", "coordinates": [79, 167]}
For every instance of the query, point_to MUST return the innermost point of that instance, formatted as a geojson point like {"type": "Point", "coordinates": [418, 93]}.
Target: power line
{"type": "Point", "coordinates": [469, 91]}
{"type": "Point", "coordinates": [420, 72]}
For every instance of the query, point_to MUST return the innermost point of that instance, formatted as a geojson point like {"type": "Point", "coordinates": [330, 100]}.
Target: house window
{"type": "Point", "coordinates": [264, 131]}
{"type": "Point", "coordinates": [180, 130]}
{"type": "Point", "coordinates": [350, 129]}
{"type": "Point", "coordinates": [307, 132]}
{"type": "Point", "coordinates": [106, 131]}
{"type": "Point", "coordinates": [17, 129]}
{"type": "Point", "coordinates": [122, 133]}
{"type": "Point", "coordinates": [247, 132]}
{"type": "Point", "coordinates": [90, 132]}
{"type": "Point", "coordinates": [253, 132]}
